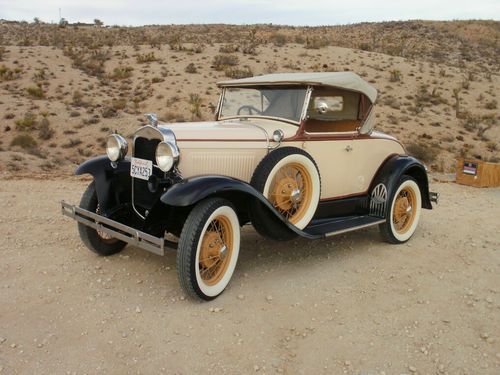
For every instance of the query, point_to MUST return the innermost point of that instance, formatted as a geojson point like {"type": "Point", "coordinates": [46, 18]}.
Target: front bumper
{"type": "Point", "coordinates": [132, 236]}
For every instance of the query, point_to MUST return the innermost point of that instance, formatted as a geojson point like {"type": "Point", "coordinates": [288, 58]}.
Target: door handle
{"type": "Point", "coordinates": [348, 148]}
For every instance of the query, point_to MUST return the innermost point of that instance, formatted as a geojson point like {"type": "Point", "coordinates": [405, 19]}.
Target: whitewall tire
{"type": "Point", "coordinates": [208, 249]}
{"type": "Point", "coordinates": [404, 212]}
{"type": "Point", "coordinates": [288, 177]}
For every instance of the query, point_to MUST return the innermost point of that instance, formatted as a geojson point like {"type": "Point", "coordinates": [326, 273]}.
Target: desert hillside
{"type": "Point", "coordinates": [64, 88]}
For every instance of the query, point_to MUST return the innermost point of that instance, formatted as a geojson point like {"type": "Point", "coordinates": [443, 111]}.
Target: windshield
{"type": "Point", "coordinates": [285, 103]}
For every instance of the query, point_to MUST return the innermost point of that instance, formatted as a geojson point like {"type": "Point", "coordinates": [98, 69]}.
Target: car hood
{"type": "Point", "coordinates": [217, 130]}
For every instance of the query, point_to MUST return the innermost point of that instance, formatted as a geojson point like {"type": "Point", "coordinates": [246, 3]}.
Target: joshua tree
{"type": "Point", "coordinates": [195, 103]}
{"type": "Point", "coordinates": [456, 95]}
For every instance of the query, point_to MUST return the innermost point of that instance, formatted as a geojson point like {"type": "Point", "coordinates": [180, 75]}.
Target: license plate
{"type": "Point", "coordinates": [141, 168]}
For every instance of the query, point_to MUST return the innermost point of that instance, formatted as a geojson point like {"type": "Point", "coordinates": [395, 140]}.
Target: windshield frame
{"type": "Point", "coordinates": [303, 111]}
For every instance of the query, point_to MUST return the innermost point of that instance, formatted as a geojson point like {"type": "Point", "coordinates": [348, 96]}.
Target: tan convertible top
{"type": "Point", "coordinates": [345, 80]}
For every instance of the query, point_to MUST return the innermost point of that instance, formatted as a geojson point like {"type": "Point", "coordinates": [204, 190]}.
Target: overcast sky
{"type": "Point", "coordinates": [290, 12]}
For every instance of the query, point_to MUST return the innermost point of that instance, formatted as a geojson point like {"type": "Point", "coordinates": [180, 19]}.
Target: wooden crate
{"type": "Point", "coordinates": [478, 173]}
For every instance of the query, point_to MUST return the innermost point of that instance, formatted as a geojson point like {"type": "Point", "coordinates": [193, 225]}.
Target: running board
{"type": "Point", "coordinates": [332, 227]}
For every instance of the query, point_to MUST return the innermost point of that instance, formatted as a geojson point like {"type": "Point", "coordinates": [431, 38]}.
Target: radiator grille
{"type": "Point", "coordinates": [143, 198]}
{"type": "Point", "coordinates": [145, 148]}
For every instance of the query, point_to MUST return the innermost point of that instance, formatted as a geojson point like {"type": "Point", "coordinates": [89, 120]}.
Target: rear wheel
{"type": "Point", "coordinates": [404, 212]}
{"type": "Point", "coordinates": [288, 177]}
{"type": "Point", "coordinates": [97, 241]}
{"type": "Point", "coordinates": [208, 249]}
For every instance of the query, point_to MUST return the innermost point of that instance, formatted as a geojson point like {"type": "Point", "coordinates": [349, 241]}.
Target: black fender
{"type": "Point", "coordinates": [241, 194]}
{"type": "Point", "coordinates": [103, 170]}
{"type": "Point", "coordinates": [398, 165]}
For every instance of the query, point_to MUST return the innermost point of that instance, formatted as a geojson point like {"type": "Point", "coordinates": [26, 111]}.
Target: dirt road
{"type": "Point", "coordinates": [351, 304]}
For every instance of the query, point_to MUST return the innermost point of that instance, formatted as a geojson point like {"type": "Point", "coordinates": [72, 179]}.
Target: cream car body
{"type": "Point", "coordinates": [292, 154]}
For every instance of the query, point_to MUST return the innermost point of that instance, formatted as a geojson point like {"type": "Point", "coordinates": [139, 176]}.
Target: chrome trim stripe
{"type": "Point", "coordinates": [355, 228]}
{"type": "Point", "coordinates": [115, 229]}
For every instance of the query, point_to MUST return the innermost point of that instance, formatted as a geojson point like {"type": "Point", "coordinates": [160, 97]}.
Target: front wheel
{"type": "Point", "coordinates": [404, 212]}
{"type": "Point", "coordinates": [208, 249]}
{"type": "Point", "coordinates": [98, 242]}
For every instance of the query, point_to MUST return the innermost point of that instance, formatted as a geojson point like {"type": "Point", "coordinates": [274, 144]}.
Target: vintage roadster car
{"type": "Point", "coordinates": [292, 154]}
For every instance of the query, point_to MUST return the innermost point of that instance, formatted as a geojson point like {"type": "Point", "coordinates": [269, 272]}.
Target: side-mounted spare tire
{"type": "Point", "coordinates": [289, 178]}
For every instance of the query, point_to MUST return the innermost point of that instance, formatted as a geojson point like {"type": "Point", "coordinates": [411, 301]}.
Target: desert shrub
{"type": "Point", "coordinates": [47, 166]}
{"type": "Point", "coordinates": [175, 42]}
{"type": "Point", "coordinates": [299, 39]}
{"type": "Point", "coordinates": [9, 116]}
{"type": "Point", "coordinates": [45, 132]}
{"type": "Point", "coordinates": [222, 62]}
{"type": "Point", "coordinates": [237, 73]}
{"type": "Point", "coordinates": [90, 61]}
{"type": "Point", "coordinates": [78, 99]}
{"type": "Point", "coordinates": [28, 122]}
{"type": "Point", "coordinates": [198, 48]}
{"type": "Point", "coordinates": [316, 42]}
{"type": "Point", "coordinates": [40, 75]}
{"type": "Point", "coordinates": [172, 100]}
{"type": "Point", "coordinates": [465, 83]}
{"type": "Point", "coordinates": [119, 104]}
{"type": "Point", "coordinates": [7, 74]}
{"type": "Point", "coordinates": [491, 105]}
{"type": "Point", "coordinates": [471, 121]}
{"type": "Point", "coordinates": [36, 92]}
{"type": "Point", "coordinates": [195, 105]}
{"type": "Point", "coordinates": [250, 42]}
{"type": "Point", "coordinates": [108, 112]}
{"type": "Point", "coordinates": [121, 72]}
{"type": "Point", "coordinates": [191, 68]}
{"type": "Point", "coordinates": [492, 146]}
{"type": "Point", "coordinates": [229, 48]}
{"type": "Point", "coordinates": [278, 39]}
{"type": "Point", "coordinates": [25, 141]}
{"type": "Point", "coordinates": [146, 57]}
{"type": "Point", "coordinates": [249, 48]}
{"type": "Point", "coordinates": [424, 98]}
{"type": "Point", "coordinates": [72, 143]}
{"type": "Point", "coordinates": [422, 152]}
{"type": "Point", "coordinates": [365, 46]}
{"type": "Point", "coordinates": [395, 75]}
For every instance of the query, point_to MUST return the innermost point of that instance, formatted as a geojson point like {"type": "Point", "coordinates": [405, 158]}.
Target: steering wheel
{"type": "Point", "coordinates": [250, 108]}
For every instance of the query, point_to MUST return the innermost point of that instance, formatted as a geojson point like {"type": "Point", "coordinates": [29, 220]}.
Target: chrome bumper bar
{"type": "Point", "coordinates": [115, 229]}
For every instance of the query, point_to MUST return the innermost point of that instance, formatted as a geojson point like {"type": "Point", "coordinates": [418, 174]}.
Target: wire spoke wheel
{"type": "Point", "coordinates": [216, 250]}
{"type": "Point", "coordinates": [404, 213]}
{"type": "Point", "coordinates": [291, 191]}
{"type": "Point", "coordinates": [404, 210]}
{"type": "Point", "coordinates": [208, 248]}
{"type": "Point", "coordinates": [104, 236]}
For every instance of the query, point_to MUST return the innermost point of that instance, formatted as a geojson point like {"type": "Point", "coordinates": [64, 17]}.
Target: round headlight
{"type": "Point", "coordinates": [116, 147]}
{"type": "Point", "coordinates": [167, 155]}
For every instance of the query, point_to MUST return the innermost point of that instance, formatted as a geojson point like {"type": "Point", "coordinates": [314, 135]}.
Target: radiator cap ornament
{"type": "Point", "coordinates": [152, 118]}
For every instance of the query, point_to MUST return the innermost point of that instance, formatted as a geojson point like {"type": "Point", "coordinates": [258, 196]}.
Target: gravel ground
{"type": "Point", "coordinates": [351, 304]}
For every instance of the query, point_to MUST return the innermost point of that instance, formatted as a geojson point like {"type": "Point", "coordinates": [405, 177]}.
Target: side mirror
{"type": "Point", "coordinates": [321, 107]}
